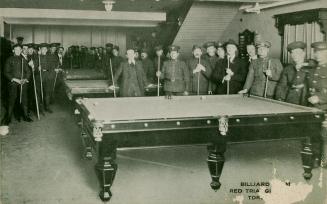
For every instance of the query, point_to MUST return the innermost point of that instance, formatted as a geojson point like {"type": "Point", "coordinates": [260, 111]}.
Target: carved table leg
{"type": "Point", "coordinates": [106, 168]}
{"type": "Point", "coordinates": [307, 159]}
{"type": "Point", "coordinates": [216, 162]}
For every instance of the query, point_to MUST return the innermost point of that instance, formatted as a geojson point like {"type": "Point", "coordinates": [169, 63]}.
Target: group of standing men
{"type": "Point", "coordinates": [31, 75]}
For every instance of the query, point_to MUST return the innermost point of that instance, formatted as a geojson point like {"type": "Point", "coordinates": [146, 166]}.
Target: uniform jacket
{"type": "Point", "coordinates": [238, 66]}
{"type": "Point", "coordinates": [287, 89]}
{"type": "Point", "coordinates": [204, 76]}
{"type": "Point", "coordinates": [149, 70]}
{"type": "Point", "coordinates": [176, 76]}
{"type": "Point", "coordinates": [13, 68]}
{"type": "Point", "coordinates": [132, 79]}
{"type": "Point", "coordinates": [318, 85]}
{"type": "Point", "coordinates": [256, 78]}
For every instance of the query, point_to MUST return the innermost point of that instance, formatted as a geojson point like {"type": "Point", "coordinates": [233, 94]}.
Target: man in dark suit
{"type": "Point", "coordinates": [231, 70]}
{"type": "Point", "coordinates": [200, 70]}
{"type": "Point", "coordinates": [17, 72]}
{"type": "Point", "coordinates": [133, 79]}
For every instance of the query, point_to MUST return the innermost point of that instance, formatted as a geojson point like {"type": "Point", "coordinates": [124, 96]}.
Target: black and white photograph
{"type": "Point", "coordinates": [163, 101]}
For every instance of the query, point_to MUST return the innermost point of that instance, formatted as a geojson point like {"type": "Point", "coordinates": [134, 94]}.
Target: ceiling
{"type": "Point", "coordinates": [120, 5]}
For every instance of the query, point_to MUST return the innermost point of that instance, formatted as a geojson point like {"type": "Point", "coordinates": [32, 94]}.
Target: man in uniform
{"type": "Point", "coordinates": [264, 73]}
{"type": "Point", "coordinates": [20, 40]}
{"type": "Point", "coordinates": [53, 63]}
{"type": "Point", "coordinates": [17, 72]}
{"type": "Point", "coordinates": [133, 79]}
{"type": "Point", "coordinates": [252, 52]}
{"type": "Point", "coordinates": [148, 67]}
{"type": "Point", "coordinates": [48, 67]}
{"type": "Point", "coordinates": [200, 70]}
{"type": "Point", "coordinates": [318, 98]}
{"type": "Point", "coordinates": [232, 70]}
{"type": "Point", "coordinates": [175, 74]}
{"type": "Point", "coordinates": [293, 84]}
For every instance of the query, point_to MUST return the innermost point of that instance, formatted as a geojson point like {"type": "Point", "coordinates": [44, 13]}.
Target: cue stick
{"type": "Point", "coordinates": [228, 80]}
{"type": "Point", "coordinates": [112, 77]}
{"type": "Point", "coordinates": [198, 90]}
{"type": "Point", "coordinates": [41, 82]}
{"type": "Point", "coordinates": [54, 83]}
{"type": "Point", "coordinates": [21, 85]}
{"type": "Point", "coordinates": [158, 83]}
{"type": "Point", "coordinates": [36, 100]}
{"type": "Point", "coordinates": [267, 80]}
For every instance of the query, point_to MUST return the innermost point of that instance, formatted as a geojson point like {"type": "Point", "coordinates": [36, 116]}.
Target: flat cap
{"type": "Point", "coordinates": [296, 45]}
{"type": "Point", "coordinates": [173, 48]}
{"type": "Point", "coordinates": [109, 45]}
{"type": "Point", "coordinates": [231, 42]}
{"type": "Point", "coordinates": [116, 47]}
{"type": "Point", "coordinates": [158, 47]}
{"type": "Point", "coordinates": [16, 45]}
{"type": "Point", "coordinates": [322, 45]}
{"type": "Point", "coordinates": [30, 45]}
{"type": "Point", "coordinates": [20, 38]}
{"type": "Point", "coordinates": [54, 44]}
{"type": "Point", "coordinates": [209, 44]}
{"type": "Point", "coordinates": [196, 47]}
{"type": "Point", "coordinates": [263, 44]}
{"type": "Point", "coordinates": [44, 45]}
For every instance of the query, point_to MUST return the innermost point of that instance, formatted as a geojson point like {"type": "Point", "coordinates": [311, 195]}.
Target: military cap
{"type": "Point", "coordinates": [209, 44]}
{"type": "Point", "coordinates": [173, 48]}
{"type": "Point", "coordinates": [109, 45]}
{"type": "Point", "coordinates": [116, 47]}
{"type": "Point", "coordinates": [16, 45]}
{"type": "Point", "coordinates": [322, 45]}
{"type": "Point", "coordinates": [263, 44]}
{"type": "Point", "coordinates": [158, 47]}
{"type": "Point", "coordinates": [295, 45]}
{"type": "Point", "coordinates": [196, 47]}
{"type": "Point", "coordinates": [44, 45]}
{"type": "Point", "coordinates": [231, 42]}
{"type": "Point", "coordinates": [19, 38]}
{"type": "Point", "coordinates": [30, 45]}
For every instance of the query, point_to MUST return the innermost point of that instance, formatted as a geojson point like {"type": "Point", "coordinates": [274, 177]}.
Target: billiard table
{"type": "Point", "coordinates": [84, 74]}
{"type": "Point", "coordinates": [111, 123]}
{"type": "Point", "coordinates": [97, 89]}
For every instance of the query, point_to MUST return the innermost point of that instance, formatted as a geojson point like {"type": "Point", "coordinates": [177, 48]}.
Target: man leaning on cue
{"type": "Point", "coordinates": [264, 73]}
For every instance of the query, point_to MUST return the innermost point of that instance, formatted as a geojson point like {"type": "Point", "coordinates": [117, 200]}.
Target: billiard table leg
{"type": "Point", "coordinates": [307, 159]}
{"type": "Point", "coordinates": [106, 168]}
{"type": "Point", "coordinates": [86, 143]}
{"type": "Point", "coordinates": [216, 162]}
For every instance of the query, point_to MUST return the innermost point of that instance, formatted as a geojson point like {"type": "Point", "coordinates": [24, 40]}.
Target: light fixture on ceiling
{"type": "Point", "coordinates": [108, 4]}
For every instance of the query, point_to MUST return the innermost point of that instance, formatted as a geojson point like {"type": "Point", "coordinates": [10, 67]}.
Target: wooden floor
{"type": "Point", "coordinates": [41, 162]}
